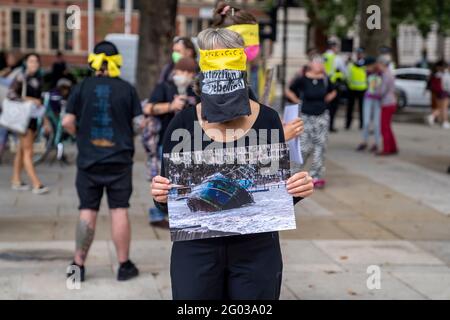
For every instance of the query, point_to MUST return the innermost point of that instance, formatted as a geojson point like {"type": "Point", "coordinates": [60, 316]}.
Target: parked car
{"type": "Point", "coordinates": [411, 87]}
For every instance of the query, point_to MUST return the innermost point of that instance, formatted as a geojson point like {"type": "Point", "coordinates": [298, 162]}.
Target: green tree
{"type": "Point", "coordinates": [329, 18]}
{"type": "Point", "coordinates": [423, 14]}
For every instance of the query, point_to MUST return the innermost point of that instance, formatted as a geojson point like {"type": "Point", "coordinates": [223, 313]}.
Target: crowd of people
{"type": "Point", "coordinates": [319, 88]}
{"type": "Point", "coordinates": [105, 113]}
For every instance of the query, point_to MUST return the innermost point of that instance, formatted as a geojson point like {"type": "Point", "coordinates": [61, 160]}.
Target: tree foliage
{"type": "Point", "coordinates": [338, 16]}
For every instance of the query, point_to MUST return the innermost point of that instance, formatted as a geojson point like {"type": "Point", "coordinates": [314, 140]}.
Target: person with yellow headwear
{"type": "Point", "coordinates": [246, 24]}
{"type": "Point", "coordinates": [102, 111]}
{"type": "Point", "coordinates": [239, 266]}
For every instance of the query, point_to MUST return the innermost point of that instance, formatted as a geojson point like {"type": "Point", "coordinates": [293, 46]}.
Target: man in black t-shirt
{"type": "Point", "coordinates": [102, 111]}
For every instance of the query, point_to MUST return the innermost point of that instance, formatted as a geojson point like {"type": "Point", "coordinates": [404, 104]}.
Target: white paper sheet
{"type": "Point", "coordinates": [291, 112]}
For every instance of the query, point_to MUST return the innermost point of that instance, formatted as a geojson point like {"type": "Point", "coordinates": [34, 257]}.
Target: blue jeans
{"type": "Point", "coordinates": [154, 214]}
{"type": "Point", "coordinates": [3, 139]}
{"type": "Point", "coordinates": [372, 113]}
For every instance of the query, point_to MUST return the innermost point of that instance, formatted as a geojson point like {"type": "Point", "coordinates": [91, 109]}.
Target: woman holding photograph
{"type": "Point", "coordinates": [236, 267]}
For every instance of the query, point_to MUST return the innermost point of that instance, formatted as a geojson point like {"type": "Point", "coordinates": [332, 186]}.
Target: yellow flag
{"type": "Point", "coordinates": [249, 32]}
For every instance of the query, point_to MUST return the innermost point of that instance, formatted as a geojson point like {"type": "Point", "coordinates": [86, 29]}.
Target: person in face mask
{"type": "Point", "coordinates": [235, 267]}
{"type": "Point", "coordinates": [244, 23]}
{"type": "Point", "coordinates": [182, 47]}
{"type": "Point", "coordinates": [168, 98]}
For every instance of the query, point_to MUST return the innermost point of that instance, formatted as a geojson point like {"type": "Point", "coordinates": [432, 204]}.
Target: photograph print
{"type": "Point", "coordinates": [227, 192]}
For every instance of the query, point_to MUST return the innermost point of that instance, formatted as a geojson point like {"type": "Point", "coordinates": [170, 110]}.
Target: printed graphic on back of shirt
{"type": "Point", "coordinates": [102, 134]}
{"type": "Point", "coordinates": [374, 83]}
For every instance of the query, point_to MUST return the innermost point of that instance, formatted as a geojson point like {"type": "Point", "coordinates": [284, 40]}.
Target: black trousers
{"type": "Point", "coordinates": [333, 108]}
{"type": "Point", "coordinates": [237, 268]}
{"type": "Point", "coordinates": [354, 96]}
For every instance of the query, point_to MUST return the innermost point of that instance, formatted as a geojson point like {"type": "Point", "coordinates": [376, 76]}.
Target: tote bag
{"type": "Point", "coordinates": [16, 114]}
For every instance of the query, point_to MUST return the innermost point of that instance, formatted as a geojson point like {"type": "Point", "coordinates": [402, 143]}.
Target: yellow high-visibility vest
{"type": "Point", "coordinates": [330, 67]}
{"type": "Point", "coordinates": [329, 63]}
{"type": "Point", "coordinates": [357, 78]}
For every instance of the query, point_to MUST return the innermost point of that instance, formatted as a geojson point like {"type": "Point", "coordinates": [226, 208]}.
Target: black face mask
{"type": "Point", "coordinates": [224, 95]}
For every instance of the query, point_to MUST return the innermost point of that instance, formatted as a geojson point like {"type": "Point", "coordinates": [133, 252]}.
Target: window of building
{"type": "Point", "coordinates": [16, 38]}
{"type": "Point", "coordinates": [97, 4]}
{"type": "Point", "coordinates": [61, 38]}
{"type": "Point", "coordinates": [68, 37]}
{"type": "Point", "coordinates": [189, 27]}
{"type": "Point", "coordinates": [199, 25]}
{"type": "Point", "coordinates": [30, 29]}
{"type": "Point", "coordinates": [54, 30]}
{"type": "Point", "coordinates": [122, 4]}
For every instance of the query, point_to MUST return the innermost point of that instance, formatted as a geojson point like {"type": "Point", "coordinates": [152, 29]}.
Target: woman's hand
{"type": "Point", "coordinates": [293, 129]}
{"type": "Point", "coordinates": [178, 103]}
{"type": "Point", "coordinates": [160, 189]}
{"type": "Point", "coordinates": [300, 185]}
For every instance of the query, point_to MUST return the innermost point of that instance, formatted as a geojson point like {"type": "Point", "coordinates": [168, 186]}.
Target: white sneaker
{"type": "Point", "coordinates": [41, 190]}
{"type": "Point", "coordinates": [20, 186]}
{"type": "Point", "coordinates": [446, 125]}
{"type": "Point", "coordinates": [429, 120]}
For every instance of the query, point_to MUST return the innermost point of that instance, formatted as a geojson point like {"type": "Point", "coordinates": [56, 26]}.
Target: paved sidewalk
{"type": "Point", "coordinates": [391, 212]}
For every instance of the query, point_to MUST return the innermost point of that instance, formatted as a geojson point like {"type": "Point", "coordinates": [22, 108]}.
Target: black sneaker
{"type": "Point", "coordinates": [361, 147]}
{"type": "Point", "coordinates": [72, 266]}
{"type": "Point", "coordinates": [127, 271]}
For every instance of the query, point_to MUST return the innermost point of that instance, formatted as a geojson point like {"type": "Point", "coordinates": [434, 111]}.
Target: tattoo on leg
{"type": "Point", "coordinates": [84, 238]}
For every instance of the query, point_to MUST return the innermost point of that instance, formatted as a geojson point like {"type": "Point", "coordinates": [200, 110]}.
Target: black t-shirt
{"type": "Point", "coordinates": [267, 120]}
{"type": "Point", "coordinates": [104, 108]}
{"type": "Point", "coordinates": [33, 86]}
{"type": "Point", "coordinates": [166, 92]}
{"type": "Point", "coordinates": [312, 93]}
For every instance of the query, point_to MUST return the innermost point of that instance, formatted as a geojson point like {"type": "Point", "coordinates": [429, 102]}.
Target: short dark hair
{"type": "Point", "coordinates": [106, 47]}
{"type": "Point", "coordinates": [188, 44]}
{"type": "Point", "coordinates": [38, 57]}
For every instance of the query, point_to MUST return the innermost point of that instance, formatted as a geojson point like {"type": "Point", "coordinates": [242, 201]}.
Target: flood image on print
{"type": "Point", "coordinates": [226, 192]}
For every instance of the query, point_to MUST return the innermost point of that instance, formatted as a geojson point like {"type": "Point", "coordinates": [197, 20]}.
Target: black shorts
{"type": "Point", "coordinates": [33, 124]}
{"type": "Point", "coordinates": [117, 179]}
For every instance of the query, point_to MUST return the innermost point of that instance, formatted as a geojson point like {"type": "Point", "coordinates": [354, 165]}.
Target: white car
{"type": "Point", "coordinates": [411, 87]}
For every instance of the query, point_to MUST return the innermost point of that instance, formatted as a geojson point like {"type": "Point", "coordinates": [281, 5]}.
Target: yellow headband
{"type": "Point", "coordinates": [114, 62]}
{"type": "Point", "coordinates": [223, 59]}
{"type": "Point", "coordinates": [249, 32]}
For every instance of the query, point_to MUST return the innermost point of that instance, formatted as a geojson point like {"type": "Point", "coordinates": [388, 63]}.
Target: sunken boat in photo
{"type": "Point", "coordinates": [220, 192]}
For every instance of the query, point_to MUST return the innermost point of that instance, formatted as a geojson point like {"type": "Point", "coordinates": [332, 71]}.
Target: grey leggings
{"type": "Point", "coordinates": [313, 142]}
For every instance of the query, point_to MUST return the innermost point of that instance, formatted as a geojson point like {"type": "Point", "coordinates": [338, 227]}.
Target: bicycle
{"type": "Point", "coordinates": [53, 139]}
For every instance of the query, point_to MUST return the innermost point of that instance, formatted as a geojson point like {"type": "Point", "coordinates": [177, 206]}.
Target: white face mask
{"type": "Point", "coordinates": [182, 81]}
